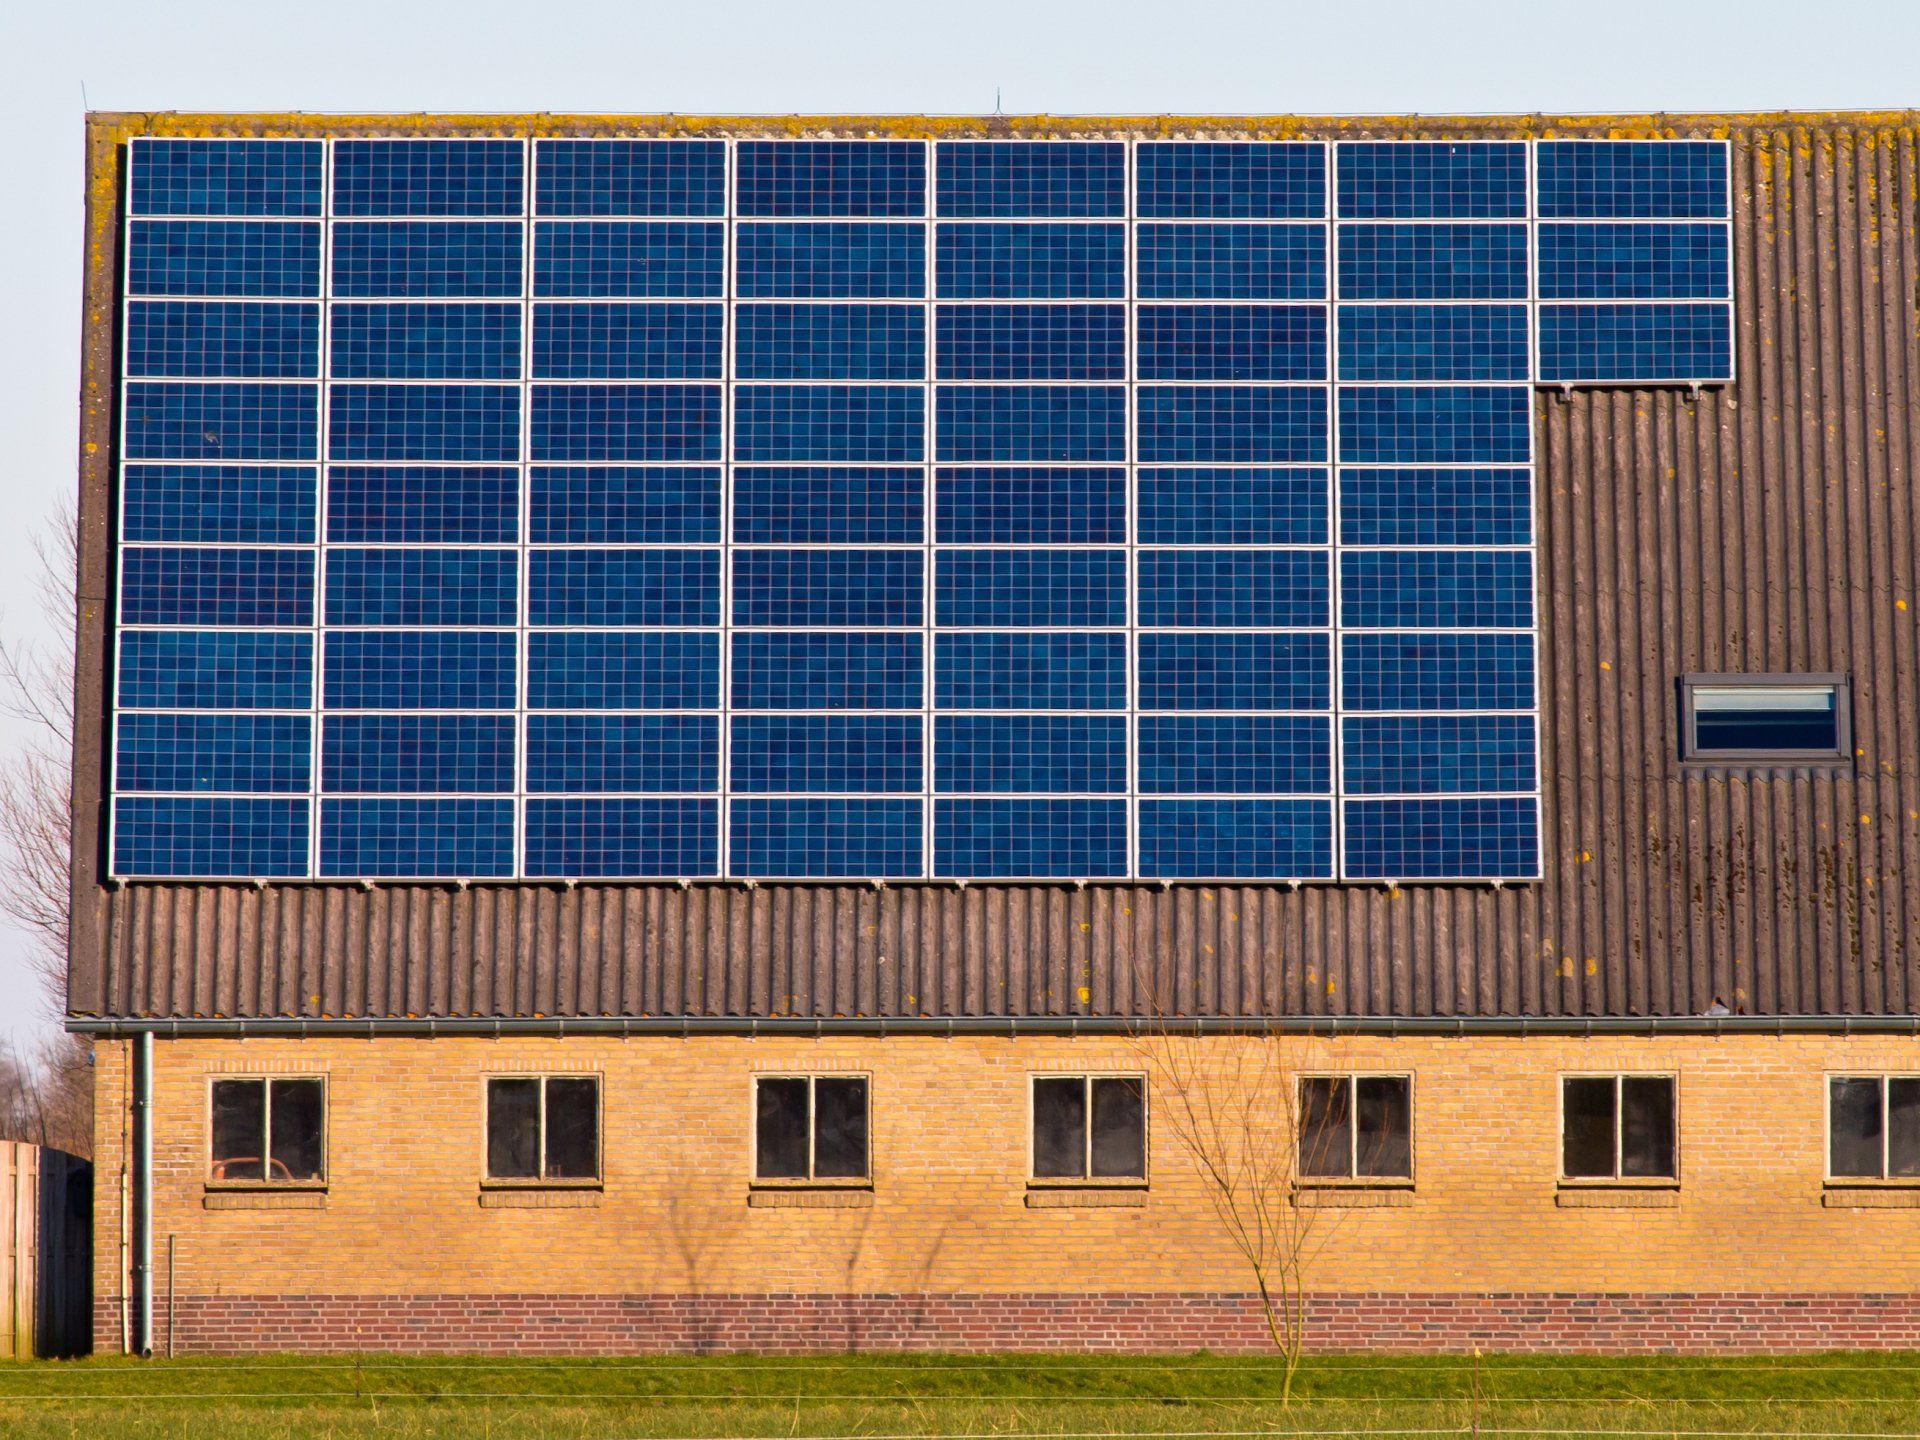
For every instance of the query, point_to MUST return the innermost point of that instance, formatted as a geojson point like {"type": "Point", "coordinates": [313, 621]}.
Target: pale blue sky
{"type": "Point", "coordinates": [1194, 56]}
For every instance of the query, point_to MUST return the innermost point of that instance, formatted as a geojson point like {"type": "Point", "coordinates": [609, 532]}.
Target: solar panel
{"type": "Point", "coordinates": [808, 509]}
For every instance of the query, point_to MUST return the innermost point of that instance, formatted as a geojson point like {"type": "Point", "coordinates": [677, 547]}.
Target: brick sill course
{"type": "Point", "coordinates": [540, 1197]}
{"type": "Point", "coordinates": [1086, 1197]}
{"type": "Point", "coordinates": [264, 1199]}
{"type": "Point", "coordinates": [810, 1197]}
{"type": "Point", "coordinates": [1886, 1195]}
{"type": "Point", "coordinates": [1353, 1197]}
{"type": "Point", "coordinates": [1652, 1195]}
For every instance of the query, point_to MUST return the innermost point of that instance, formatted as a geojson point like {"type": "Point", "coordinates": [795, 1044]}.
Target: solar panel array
{"type": "Point", "coordinates": [880, 508]}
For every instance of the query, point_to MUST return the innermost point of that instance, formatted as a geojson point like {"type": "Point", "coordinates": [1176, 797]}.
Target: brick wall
{"type": "Point", "coordinates": [1751, 1251]}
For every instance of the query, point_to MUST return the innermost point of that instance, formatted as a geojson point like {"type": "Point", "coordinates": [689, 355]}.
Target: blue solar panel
{"type": "Point", "coordinates": [628, 260]}
{"type": "Point", "coordinates": [1232, 507]}
{"type": "Point", "coordinates": [1068, 178]}
{"type": "Point", "coordinates": [1069, 671]}
{"type": "Point", "coordinates": [1019, 261]}
{"type": "Point", "coordinates": [1232, 425]}
{"type": "Point", "coordinates": [1432, 180]}
{"type": "Point", "coordinates": [219, 504]}
{"type": "Point", "coordinates": [1636, 344]}
{"type": "Point", "coordinates": [867, 505]}
{"type": "Point", "coordinates": [825, 837]}
{"type": "Point", "coordinates": [214, 835]}
{"type": "Point", "coordinates": [170, 420]}
{"type": "Point", "coordinates": [417, 754]}
{"type": "Point", "coordinates": [1231, 180]}
{"type": "Point", "coordinates": [1234, 342]}
{"type": "Point", "coordinates": [1231, 262]}
{"type": "Point", "coordinates": [1648, 179]}
{"type": "Point", "coordinates": [627, 342]}
{"type": "Point", "coordinates": [831, 177]}
{"type": "Point", "coordinates": [827, 670]}
{"type": "Point", "coordinates": [399, 838]}
{"type": "Point", "coordinates": [428, 177]}
{"type": "Point", "coordinates": [1433, 342]}
{"type": "Point", "coordinates": [1030, 754]}
{"type": "Point", "coordinates": [426, 341]}
{"type": "Point", "coordinates": [1236, 839]}
{"type": "Point", "coordinates": [830, 342]}
{"type": "Point", "coordinates": [203, 339]}
{"type": "Point", "coordinates": [1031, 342]}
{"type": "Point", "coordinates": [1634, 261]}
{"type": "Point", "coordinates": [214, 670]}
{"type": "Point", "coordinates": [630, 177]}
{"type": "Point", "coordinates": [223, 257]}
{"type": "Point", "coordinates": [758, 522]}
{"type": "Point", "coordinates": [623, 754]}
{"type": "Point", "coordinates": [992, 839]}
{"type": "Point", "coordinates": [258, 754]}
{"type": "Point", "coordinates": [472, 259]}
{"type": "Point", "coordinates": [467, 423]}
{"type": "Point", "coordinates": [592, 838]}
{"type": "Point", "coordinates": [657, 505]}
{"type": "Point", "coordinates": [224, 177]}
{"type": "Point", "coordinates": [422, 505]}
{"type": "Point", "coordinates": [811, 754]}
{"type": "Point", "coordinates": [419, 670]}
{"type": "Point", "coordinates": [1433, 262]}
{"type": "Point", "coordinates": [838, 261]}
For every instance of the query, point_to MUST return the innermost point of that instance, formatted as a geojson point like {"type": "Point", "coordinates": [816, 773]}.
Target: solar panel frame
{"type": "Point", "coordinates": [1232, 216]}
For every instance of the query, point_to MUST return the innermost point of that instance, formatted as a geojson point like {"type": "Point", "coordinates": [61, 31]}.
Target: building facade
{"type": "Point", "coordinates": [1549, 809]}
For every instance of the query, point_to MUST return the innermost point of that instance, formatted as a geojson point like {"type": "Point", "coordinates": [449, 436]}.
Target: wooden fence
{"type": "Point", "coordinates": [46, 1241]}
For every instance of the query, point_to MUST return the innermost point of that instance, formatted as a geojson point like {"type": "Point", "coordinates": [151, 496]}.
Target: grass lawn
{"type": "Point", "coordinates": [902, 1396]}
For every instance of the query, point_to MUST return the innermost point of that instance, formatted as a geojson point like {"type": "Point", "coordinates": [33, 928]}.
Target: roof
{"type": "Point", "coordinates": [1770, 526]}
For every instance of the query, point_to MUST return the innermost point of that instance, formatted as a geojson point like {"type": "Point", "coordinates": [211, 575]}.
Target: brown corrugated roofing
{"type": "Point", "coordinates": [1769, 526]}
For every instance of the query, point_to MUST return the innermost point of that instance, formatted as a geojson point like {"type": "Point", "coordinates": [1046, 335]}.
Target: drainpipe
{"type": "Point", "coordinates": [143, 1192]}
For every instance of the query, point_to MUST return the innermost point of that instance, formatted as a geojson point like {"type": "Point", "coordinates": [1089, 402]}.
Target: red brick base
{"type": "Point", "coordinates": [790, 1324]}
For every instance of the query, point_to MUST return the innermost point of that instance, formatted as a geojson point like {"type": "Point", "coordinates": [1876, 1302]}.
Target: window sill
{"type": "Point", "coordinates": [584, 1196]}
{"type": "Point", "coordinates": [1871, 1195]}
{"type": "Point", "coordinates": [1618, 1195]}
{"type": "Point", "coordinates": [261, 1197]}
{"type": "Point", "coordinates": [1352, 1194]}
{"type": "Point", "coordinates": [1126, 1195]}
{"type": "Point", "coordinates": [811, 1197]}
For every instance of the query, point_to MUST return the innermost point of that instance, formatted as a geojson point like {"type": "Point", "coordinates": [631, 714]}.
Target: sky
{"type": "Point", "coordinates": [59, 58]}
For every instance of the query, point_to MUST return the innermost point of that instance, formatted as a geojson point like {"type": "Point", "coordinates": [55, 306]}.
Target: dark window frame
{"type": "Point", "coordinates": [1838, 758]}
{"type": "Point", "coordinates": [1881, 1078]}
{"type": "Point", "coordinates": [268, 1080]}
{"type": "Point", "coordinates": [543, 1181]}
{"type": "Point", "coordinates": [1352, 1078]}
{"type": "Point", "coordinates": [1087, 1180]}
{"type": "Point", "coordinates": [812, 1180]}
{"type": "Point", "coordinates": [1618, 1178]}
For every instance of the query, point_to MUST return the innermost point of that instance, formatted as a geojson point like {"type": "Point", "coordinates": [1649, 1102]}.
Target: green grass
{"type": "Point", "coordinates": [1189, 1396]}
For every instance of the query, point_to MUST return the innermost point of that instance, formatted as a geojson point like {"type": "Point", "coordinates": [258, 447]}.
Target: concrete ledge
{"type": "Point", "coordinates": [540, 1199]}
{"type": "Point", "coordinates": [265, 1200]}
{"type": "Point", "coordinates": [1070, 1198]}
{"type": "Point", "coordinates": [798, 1199]}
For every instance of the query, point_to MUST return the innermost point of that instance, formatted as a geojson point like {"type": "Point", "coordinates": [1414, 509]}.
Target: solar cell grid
{"type": "Point", "coordinates": [806, 528]}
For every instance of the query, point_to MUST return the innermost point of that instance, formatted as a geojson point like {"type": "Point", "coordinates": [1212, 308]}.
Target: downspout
{"type": "Point", "coordinates": [143, 1191]}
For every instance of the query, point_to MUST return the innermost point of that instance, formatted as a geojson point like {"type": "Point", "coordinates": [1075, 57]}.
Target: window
{"type": "Point", "coordinates": [1618, 1127]}
{"type": "Point", "coordinates": [270, 1131]}
{"type": "Point", "coordinates": [1356, 1127]}
{"type": "Point", "coordinates": [1089, 1127]}
{"type": "Point", "coordinates": [543, 1127]}
{"type": "Point", "coordinates": [1873, 1127]}
{"type": "Point", "coordinates": [1765, 717]}
{"type": "Point", "coordinates": [810, 1127]}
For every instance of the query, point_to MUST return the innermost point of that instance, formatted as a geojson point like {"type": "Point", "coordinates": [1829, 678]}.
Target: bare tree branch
{"type": "Point", "coordinates": [45, 1094]}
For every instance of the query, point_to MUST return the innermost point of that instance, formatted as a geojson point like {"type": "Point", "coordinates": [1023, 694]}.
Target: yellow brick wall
{"type": "Point", "coordinates": [949, 1138]}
